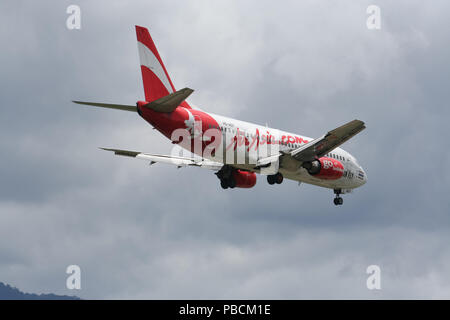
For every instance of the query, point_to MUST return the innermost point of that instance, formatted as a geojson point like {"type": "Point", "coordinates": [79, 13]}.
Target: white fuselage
{"type": "Point", "coordinates": [238, 135]}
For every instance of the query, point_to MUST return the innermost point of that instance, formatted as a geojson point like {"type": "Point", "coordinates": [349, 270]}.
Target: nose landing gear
{"type": "Point", "coordinates": [338, 200]}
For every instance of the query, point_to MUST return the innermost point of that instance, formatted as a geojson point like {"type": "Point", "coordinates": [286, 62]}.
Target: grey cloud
{"type": "Point", "coordinates": [158, 232]}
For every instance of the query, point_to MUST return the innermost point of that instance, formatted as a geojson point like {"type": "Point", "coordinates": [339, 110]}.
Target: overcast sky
{"type": "Point", "coordinates": [160, 233]}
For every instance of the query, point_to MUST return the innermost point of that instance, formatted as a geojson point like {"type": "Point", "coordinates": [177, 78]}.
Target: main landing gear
{"type": "Point", "coordinates": [228, 183]}
{"type": "Point", "coordinates": [338, 200]}
{"type": "Point", "coordinates": [275, 178]}
{"type": "Point", "coordinates": [226, 177]}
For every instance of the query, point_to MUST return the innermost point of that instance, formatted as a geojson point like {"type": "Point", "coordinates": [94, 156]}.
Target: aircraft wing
{"type": "Point", "coordinates": [328, 142]}
{"type": "Point", "coordinates": [177, 161]}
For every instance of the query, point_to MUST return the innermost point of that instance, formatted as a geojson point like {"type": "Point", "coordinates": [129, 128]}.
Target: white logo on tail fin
{"type": "Point", "coordinates": [148, 59]}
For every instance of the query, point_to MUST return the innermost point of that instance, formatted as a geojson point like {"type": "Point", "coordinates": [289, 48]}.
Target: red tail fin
{"type": "Point", "coordinates": [157, 83]}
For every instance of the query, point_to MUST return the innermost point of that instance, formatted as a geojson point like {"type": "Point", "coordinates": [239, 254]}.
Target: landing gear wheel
{"type": "Point", "coordinates": [224, 184]}
{"type": "Point", "coordinates": [231, 183]}
{"type": "Point", "coordinates": [275, 178]}
{"type": "Point", "coordinates": [227, 180]}
{"type": "Point", "coordinates": [338, 201]}
{"type": "Point", "coordinates": [271, 179]}
{"type": "Point", "coordinates": [278, 178]}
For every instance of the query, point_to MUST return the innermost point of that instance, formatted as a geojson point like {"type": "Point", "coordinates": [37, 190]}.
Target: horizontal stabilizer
{"type": "Point", "coordinates": [170, 102]}
{"type": "Point", "coordinates": [107, 105]}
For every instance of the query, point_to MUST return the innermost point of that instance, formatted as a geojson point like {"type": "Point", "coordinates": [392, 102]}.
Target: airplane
{"type": "Point", "coordinates": [236, 150]}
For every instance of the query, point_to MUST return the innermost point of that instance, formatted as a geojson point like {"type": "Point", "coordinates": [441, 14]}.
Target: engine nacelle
{"type": "Point", "coordinates": [244, 179]}
{"type": "Point", "coordinates": [325, 168]}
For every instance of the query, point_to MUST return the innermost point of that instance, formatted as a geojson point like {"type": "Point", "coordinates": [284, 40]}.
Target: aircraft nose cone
{"type": "Point", "coordinates": [363, 175]}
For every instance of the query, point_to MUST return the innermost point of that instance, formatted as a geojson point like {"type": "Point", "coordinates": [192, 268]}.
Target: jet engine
{"type": "Point", "coordinates": [235, 178]}
{"type": "Point", "coordinates": [244, 179]}
{"type": "Point", "coordinates": [325, 168]}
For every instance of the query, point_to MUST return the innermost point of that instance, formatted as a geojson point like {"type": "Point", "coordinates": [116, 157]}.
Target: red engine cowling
{"type": "Point", "coordinates": [325, 168]}
{"type": "Point", "coordinates": [244, 179]}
